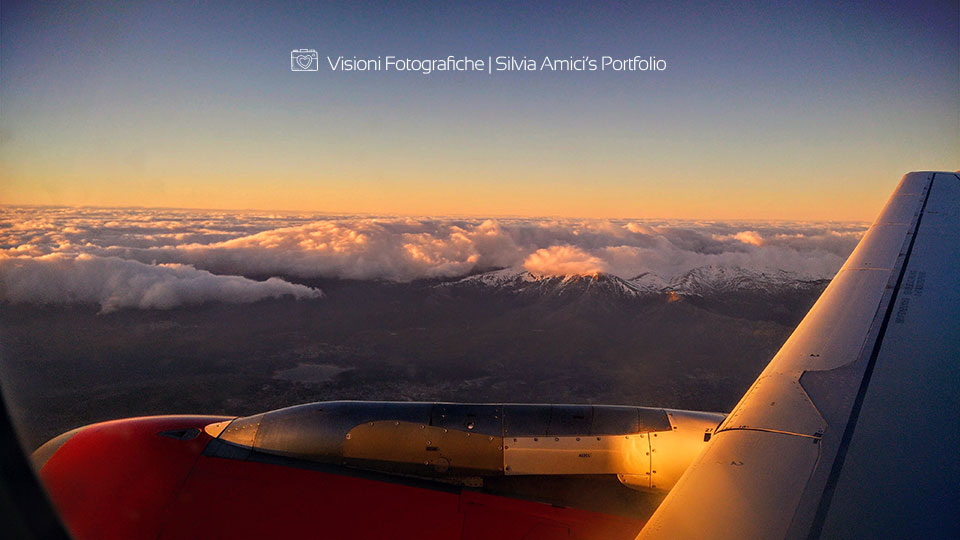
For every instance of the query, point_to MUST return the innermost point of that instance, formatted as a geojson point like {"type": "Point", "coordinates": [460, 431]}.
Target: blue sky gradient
{"type": "Point", "coordinates": [785, 110]}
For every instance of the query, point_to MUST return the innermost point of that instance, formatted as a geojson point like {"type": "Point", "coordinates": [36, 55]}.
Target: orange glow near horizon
{"type": "Point", "coordinates": [815, 128]}
{"type": "Point", "coordinates": [704, 196]}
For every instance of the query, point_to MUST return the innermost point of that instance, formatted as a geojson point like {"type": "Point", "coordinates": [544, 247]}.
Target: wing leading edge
{"type": "Point", "coordinates": [851, 430]}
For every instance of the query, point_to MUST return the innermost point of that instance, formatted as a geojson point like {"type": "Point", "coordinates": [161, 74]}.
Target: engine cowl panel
{"type": "Point", "coordinates": [647, 448]}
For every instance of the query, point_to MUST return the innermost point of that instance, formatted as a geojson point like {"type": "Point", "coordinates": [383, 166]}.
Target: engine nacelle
{"type": "Point", "coordinates": [647, 448]}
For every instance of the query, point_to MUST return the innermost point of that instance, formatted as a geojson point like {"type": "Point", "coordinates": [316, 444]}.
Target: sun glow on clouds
{"type": "Point", "coordinates": [749, 237]}
{"type": "Point", "coordinates": [563, 261]}
{"type": "Point", "coordinates": [143, 258]}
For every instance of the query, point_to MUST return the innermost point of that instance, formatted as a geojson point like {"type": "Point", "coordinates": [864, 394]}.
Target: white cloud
{"type": "Point", "coordinates": [115, 283]}
{"type": "Point", "coordinates": [218, 245]}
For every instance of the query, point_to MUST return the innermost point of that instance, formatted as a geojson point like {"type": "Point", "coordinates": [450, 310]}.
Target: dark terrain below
{"type": "Point", "coordinates": [63, 367]}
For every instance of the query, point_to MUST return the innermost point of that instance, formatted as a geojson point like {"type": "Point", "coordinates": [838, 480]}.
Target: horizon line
{"type": "Point", "coordinates": [429, 216]}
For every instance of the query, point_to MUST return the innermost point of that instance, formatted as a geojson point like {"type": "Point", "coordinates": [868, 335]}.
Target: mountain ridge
{"type": "Point", "coordinates": [701, 281]}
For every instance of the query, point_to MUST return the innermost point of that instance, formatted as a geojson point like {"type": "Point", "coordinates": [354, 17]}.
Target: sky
{"type": "Point", "coordinates": [765, 111]}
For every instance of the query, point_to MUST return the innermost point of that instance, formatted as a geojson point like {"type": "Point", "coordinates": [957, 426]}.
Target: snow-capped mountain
{"type": "Point", "coordinates": [521, 281]}
{"type": "Point", "coordinates": [702, 281]}
{"type": "Point", "coordinates": [649, 282]}
{"type": "Point", "coordinates": [707, 280]}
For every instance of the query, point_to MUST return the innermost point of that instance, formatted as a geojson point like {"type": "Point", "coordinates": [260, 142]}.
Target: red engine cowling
{"type": "Point", "coordinates": [149, 478]}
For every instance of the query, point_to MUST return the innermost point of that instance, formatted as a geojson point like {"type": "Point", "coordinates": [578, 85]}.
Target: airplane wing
{"type": "Point", "coordinates": [852, 429]}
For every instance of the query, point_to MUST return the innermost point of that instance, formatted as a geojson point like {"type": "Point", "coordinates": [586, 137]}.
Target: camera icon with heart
{"type": "Point", "coordinates": [304, 60]}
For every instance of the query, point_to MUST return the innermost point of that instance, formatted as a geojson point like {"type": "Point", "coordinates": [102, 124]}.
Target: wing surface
{"type": "Point", "coordinates": [851, 431]}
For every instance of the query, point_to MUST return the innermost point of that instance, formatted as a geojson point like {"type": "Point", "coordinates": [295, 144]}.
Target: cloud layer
{"type": "Point", "coordinates": [165, 258]}
{"type": "Point", "coordinates": [116, 283]}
